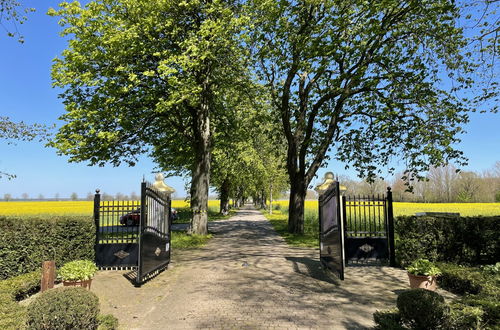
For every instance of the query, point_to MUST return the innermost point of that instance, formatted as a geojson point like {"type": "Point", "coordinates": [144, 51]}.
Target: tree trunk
{"type": "Point", "coordinates": [296, 205]}
{"type": "Point", "coordinates": [263, 200]}
{"type": "Point", "coordinates": [271, 199]}
{"type": "Point", "coordinates": [224, 197]}
{"type": "Point", "coordinates": [201, 168]}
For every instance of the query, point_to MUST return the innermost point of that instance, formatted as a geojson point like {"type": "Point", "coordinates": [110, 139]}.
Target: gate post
{"type": "Point", "coordinates": [97, 204]}
{"type": "Point", "coordinates": [390, 219]}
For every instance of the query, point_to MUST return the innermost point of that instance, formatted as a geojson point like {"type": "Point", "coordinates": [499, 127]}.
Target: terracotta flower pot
{"type": "Point", "coordinates": [84, 284]}
{"type": "Point", "coordinates": [423, 281]}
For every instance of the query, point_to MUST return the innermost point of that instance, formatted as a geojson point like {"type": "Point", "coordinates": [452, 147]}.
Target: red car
{"type": "Point", "coordinates": [134, 218]}
{"type": "Point", "coordinates": [131, 219]}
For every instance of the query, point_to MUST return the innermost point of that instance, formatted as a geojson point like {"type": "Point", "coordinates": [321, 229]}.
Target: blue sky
{"type": "Point", "coordinates": [26, 94]}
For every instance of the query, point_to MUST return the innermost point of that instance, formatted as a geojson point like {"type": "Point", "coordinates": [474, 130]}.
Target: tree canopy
{"type": "Point", "coordinates": [367, 80]}
{"type": "Point", "coordinates": [148, 77]}
{"type": "Point", "coordinates": [218, 87]}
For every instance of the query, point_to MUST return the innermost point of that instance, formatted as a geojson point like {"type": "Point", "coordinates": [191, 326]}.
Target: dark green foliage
{"type": "Point", "coordinates": [422, 309]}
{"type": "Point", "coordinates": [387, 320]}
{"type": "Point", "coordinates": [460, 279]}
{"type": "Point", "coordinates": [490, 306]}
{"type": "Point", "coordinates": [464, 317]}
{"type": "Point", "coordinates": [26, 242]}
{"type": "Point", "coordinates": [64, 308]}
{"type": "Point", "coordinates": [107, 322]}
{"type": "Point", "coordinates": [462, 240]}
{"type": "Point", "coordinates": [12, 314]}
{"type": "Point", "coordinates": [481, 289]}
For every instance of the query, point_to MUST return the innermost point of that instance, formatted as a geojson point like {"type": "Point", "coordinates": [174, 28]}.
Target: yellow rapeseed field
{"type": "Point", "coordinates": [86, 207]}
{"type": "Point", "coordinates": [67, 207]}
{"type": "Point", "coordinates": [465, 209]}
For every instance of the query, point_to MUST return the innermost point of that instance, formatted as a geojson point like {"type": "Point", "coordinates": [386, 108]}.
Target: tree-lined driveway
{"type": "Point", "coordinates": [248, 277]}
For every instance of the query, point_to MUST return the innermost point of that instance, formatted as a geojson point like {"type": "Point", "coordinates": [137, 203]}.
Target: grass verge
{"type": "Point", "coordinates": [181, 240]}
{"type": "Point", "coordinates": [279, 220]}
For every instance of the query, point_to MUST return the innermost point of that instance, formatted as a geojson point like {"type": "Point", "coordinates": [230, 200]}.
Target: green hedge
{"type": "Point", "coordinates": [462, 240]}
{"type": "Point", "coordinates": [26, 242]}
{"type": "Point", "coordinates": [12, 315]}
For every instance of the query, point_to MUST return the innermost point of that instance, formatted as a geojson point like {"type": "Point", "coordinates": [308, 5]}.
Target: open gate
{"type": "Point", "coordinates": [155, 231]}
{"type": "Point", "coordinates": [355, 230]}
{"type": "Point", "coordinates": [331, 228]}
{"type": "Point", "coordinates": [133, 234]}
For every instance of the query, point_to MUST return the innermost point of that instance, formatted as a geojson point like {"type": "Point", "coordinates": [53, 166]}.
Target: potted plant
{"type": "Point", "coordinates": [423, 274]}
{"type": "Point", "coordinates": [77, 273]}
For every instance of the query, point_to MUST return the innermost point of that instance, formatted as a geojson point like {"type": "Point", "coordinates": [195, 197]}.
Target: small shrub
{"type": "Point", "coordinates": [423, 267]}
{"type": "Point", "coordinates": [422, 309]}
{"type": "Point", "coordinates": [107, 322]}
{"type": "Point", "coordinates": [64, 308]}
{"type": "Point", "coordinates": [387, 320]}
{"type": "Point", "coordinates": [464, 317]}
{"type": "Point", "coordinates": [277, 207]}
{"type": "Point", "coordinates": [77, 270]}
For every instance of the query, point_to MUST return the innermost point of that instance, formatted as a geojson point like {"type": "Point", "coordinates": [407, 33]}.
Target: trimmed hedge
{"type": "Point", "coordinates": [26, 242]}
{"type": "Point", "coordinates": [462, 240]}
{"type": "Point", "coordinates": [12, 315]}
{"type": "Point", "coordinates": [480, 290]}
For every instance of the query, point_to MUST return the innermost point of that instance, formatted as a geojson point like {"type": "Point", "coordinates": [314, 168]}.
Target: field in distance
{"type": "Point", "coordinates": [86, 207]}
{"type": "Point", "coordinates": [67, 207]}
{"type": "Point", "coordinates": [465, 209]}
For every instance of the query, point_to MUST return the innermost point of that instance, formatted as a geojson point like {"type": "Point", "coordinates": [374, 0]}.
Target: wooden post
{"type": "Point", "coordinates": [48, 275]}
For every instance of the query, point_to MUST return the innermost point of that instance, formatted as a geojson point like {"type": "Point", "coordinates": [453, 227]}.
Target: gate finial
{"type": "Point", "coordinates": [161, 186]}
{"type": "Point", "coordinates": [328, 180]}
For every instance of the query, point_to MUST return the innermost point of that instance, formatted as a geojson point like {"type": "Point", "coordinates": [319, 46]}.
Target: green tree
{"type": "Point", "coordinates": [368, 80]}
{"type": "Point", "coordinates": [148, 77]}
{"type": "Point", "coordinates": [74, 196]}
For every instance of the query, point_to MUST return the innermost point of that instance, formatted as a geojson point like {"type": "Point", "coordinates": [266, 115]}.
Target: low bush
{"type": "Point", "coordinates": [460, 279]}
{"type": "Point", "coordinates": [479, 286]}
{"type": "Point", "coordinates": [26, 242]}
{"type": "Point", "coordinates": [12, 315]}
{"type": "Point", "coordinates": [422, 309]}
{"type": "Point", "coordinates": [64, 308]}
{"type": "Point", "coordinates": [464, 317]}
{"type": "Point", "coordinates": [107, 322]}
{"type": "Point", "coordinates": [489, 305]}
{"type": "Point", "coordinates": [388, 320]}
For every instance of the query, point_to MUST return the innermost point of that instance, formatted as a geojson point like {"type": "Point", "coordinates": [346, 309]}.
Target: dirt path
{"type": "Point", "coordinates": [247, 277]}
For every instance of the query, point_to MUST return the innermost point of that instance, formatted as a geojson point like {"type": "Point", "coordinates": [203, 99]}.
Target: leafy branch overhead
{"type": "Point", "coordinates": [20, 131]}
{"type": "Point", "coordinates": [12, 14]}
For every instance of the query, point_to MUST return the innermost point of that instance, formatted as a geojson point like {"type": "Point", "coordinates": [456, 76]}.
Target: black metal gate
{"type": "Point", "coordinates": [116, 243]}
{"type": "Point", "coordinates": [331, 231]}
{"type": "Point", "coordinates": [355, 230]}
{"type": "Point", "coordinates": [155, 231]}
{"type": "Point", "coordinates": [133, 234]}
{"type": "Point", "coordinates": [369, 229]}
